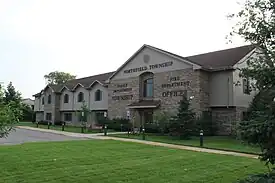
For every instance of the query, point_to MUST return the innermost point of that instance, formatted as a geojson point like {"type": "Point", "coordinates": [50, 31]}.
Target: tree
{"type": "Point", "coordinates": [57, 77]}
{"type": "Point", "coordinates": [84, 113]}
{"type": "Point", "coordinates": [9, 115]}
{"type": "Point", "coordinates": [12, 95]}
{"type": "Point", "coordinates": [27, 113]}
{"type": "Point", "coordinates": [183, 123]}
{"type": "Point", "coordinates": [256, 25]}
{"type": "Point", "coordinates": [161, 119]}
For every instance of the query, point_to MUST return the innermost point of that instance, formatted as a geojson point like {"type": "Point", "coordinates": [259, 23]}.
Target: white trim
{"type": "Point", "coordinates": [77, 85]}
{"type": "Point", "coordinates": [235, 66]}
{"type": "Point", "coordinates": [94, 82]}
{"type": "Point", "coordinates": [63, 88]}
{"type": "Point", "coordinates": [179, 58]}
{"type": "Point", "coordinates": [49, 87]}
{"type": "Point", "coordinates": [196, 66]}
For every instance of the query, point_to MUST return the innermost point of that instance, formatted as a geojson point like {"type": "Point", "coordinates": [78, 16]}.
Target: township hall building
{"type": "Point", "coordinates": [153, 80]}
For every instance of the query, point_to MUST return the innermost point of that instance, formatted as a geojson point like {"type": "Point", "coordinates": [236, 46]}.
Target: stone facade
{"type": "Point", "coordinates": [226, 119]}
{"type": "Point", "coordinates": [168, 89]}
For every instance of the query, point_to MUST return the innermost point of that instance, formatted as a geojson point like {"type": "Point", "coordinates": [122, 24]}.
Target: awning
{"type": "Point", "coordinates": [144, 104]}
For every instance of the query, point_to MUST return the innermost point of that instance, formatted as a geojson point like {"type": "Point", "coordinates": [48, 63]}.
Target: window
{"type": "Point", "coordinates": [66, 98]}
{"type": "Point", "coordinates": [48, 116]}
{"type": "Point", "coordinates": [67, 116]}
{"type": "Point", "coordinates": [49, 99]}
{"type": "Point", "coordinates": [148, 88]}
{"type": "Point", "coordinates": [42, 100]}
{"type": "Point", "coordinates": [98, 95]}
{"type": "Point", "coordinates": [246, 88]}
{"type": "Point", "coordinates": [80, 97]}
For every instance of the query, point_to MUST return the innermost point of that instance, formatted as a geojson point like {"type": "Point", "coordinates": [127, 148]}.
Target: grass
{"type": "Point", "coordinates": [113, 161]}
{"type": "Point", "coordinates": [213, 142]}
{"type": "Point", "coordinates": [74, 129]}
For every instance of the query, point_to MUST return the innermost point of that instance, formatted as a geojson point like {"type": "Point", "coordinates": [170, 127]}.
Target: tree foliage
{"type": "Point", "coordinates": [10, 112]}
{"type": "Point", "coordinates": [256, 24]}
{"type": "Point", "coordinates": [162, 119]}
{"type": "Point", "coordinates": [12, 95]}
{"type": "Point", "coordinates": [57, 77]}
{"type": "Point", "coordinates": [183, 123]}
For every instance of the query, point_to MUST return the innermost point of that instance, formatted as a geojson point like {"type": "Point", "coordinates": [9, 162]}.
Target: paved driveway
{"type": "Point", "coordinates": [23, 135]}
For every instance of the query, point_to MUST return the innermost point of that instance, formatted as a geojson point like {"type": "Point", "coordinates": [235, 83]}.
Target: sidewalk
{"type": "Point", "coordinates": [101, 137]}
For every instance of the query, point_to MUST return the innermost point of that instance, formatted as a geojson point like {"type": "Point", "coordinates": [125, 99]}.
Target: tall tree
{"type": "Point", "coordinates": [11, 94]}
{"type": "Point", "coordinates": [57, 77]}
{"type": "Point", "coordinates": [183, 123]}
{"type": "Point", "coordinates": [256, 24]}
{"type": "Point", "coordinates": [9, 114]}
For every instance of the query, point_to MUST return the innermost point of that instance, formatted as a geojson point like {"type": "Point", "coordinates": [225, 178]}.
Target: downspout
{"type": "Point", "coordinates": [228, 92]}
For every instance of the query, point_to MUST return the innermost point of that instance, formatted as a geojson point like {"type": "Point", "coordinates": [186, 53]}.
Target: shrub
{"type": "Point", "coordinates": [152, 128]}
{"type": "Point", "coordinates": [161, 123]}
{"type": "Point", "coordinates": [117, 124]}
{"type": "Point", "coordinates": [260, 178]}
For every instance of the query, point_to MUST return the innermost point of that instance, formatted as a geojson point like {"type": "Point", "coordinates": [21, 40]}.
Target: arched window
{"type": "Point", "coordinates": [42, 100]}
{"type": "Point", "coordinates": [80, 97]}
{"type": "Point", "coordinates": [66, 98]}
{"type": "Point", "coordinates": [98, 95]}
{"type": "Point", "coordinates": [148, 87]}
{"type": "Point", "coordinates": [49, 99]}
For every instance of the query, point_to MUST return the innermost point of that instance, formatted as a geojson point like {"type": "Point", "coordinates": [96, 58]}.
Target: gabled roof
{"type": "Point", "coordinates": [221, 59]}
{"type": "Point", "coordinates": [158, 50]}
{"type": "Point", "coordinates": [85, 82]}
{"type": "Point", "coordinates": [88, 81]}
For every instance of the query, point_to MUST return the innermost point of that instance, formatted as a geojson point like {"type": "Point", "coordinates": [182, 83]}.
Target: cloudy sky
{"type": "Point", "coordinates": [86, 37]}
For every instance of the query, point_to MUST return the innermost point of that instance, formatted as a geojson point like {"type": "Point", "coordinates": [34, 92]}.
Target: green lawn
{"type": "Point", "coordinates": [114, 161]}
{"type": "Point", "coordinates": [59, 128]}
{"type": "Point", "coordinates": [214, 142]}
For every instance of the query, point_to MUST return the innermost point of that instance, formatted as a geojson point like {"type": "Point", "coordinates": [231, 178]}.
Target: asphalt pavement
{"type": "Point", "coordinates": [20, 136]}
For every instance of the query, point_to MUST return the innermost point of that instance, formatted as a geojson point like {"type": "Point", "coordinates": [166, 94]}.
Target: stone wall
{"type": "Point", "coordinates": [119, 100]}
{"type": "Point", "coordinates": [227, 119]}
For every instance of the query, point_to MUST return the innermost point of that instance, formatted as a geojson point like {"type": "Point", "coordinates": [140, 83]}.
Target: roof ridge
{"type": "Point", "coordinates": [89, 77]}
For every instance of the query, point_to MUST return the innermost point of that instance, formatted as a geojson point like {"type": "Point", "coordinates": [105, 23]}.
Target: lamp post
{"type": "Point", "coordinates": [37, 124]}
{"type": "Point", "coordinates": [63, 125]}
{"type": "Point", "coordinates": [105, 130]}
{"type": "Point", "coordinates": [48, 125]}
{"type": "Point", "coordinates": [143, 133]}
{"type": "Point", "coordinates": [201, 138]}
{"type": "Point", "coordinates": [82, 124]}
{"type": "Point", "coordinates": [105, 126]}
